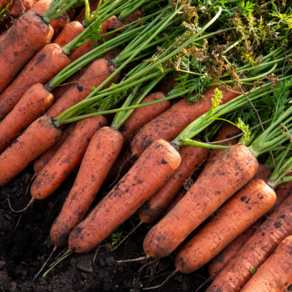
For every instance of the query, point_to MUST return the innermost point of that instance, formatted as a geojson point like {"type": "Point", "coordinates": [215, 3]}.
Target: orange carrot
{"type": "Point", "coordinates": [275, 275]}
{"type": "Point", "coordinates": [98, 72]}
{"type": "Point", "coordinates": [245, 207]}
{"type": "Point", "coordinates": [143, 115]}
{"type": "Point", "coordinates": [37, 138]}
{"type": "Point", "coordinates": [32, 105]}
{"type": "Point", "coordinates": [169, 124]}
{"type": "Point", "coordinates": [69, 32]}
{"type": "Point", "coordinates": [59, 23]}
{"type": "Point", "coordinates": [263, 173]}
{"type": "Point", "coordinates": [108, 25]}
{"type": "Point", "coordinates": [136, 15]}
{"type": "Point", "coordinates": [100, 155]}
{"type": "Point", "coordinates": [67, 158]}
{"type": "Point", "coordinates": [20, 6]}
{"type": "Point", "coordinates": [177, 198]}
{"type": "Point", "coordinates": [224, 257]}
{"type": "Point", "coordinates": [44, 159]}
{"type": "Point", "coordinates": [191, 158]}
{"type": "Point", "coordinates": [43, 67]}
{"type": "Point", "coordinates": [60, 90]}
{"type": "Point", "coordinates": [230, 172]}
{"type": "Point", "coordinates": [256, 250]}
{"type": "Point", "coordinates": [14, 58]}
{"type": "Point", "coordinates": [157, 164]}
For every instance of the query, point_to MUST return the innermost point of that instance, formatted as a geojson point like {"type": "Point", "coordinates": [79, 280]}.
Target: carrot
{"type": "Point", "coordinates": [263, 173]}
{"type": "Point", "coordinates": [136, 15]}
{"type": "Point", "coordinates": [98, 72]}
{"type": "Point", "coordinates": [232, 170]}
{"type": "Point", "coordinates": [157, 164]}
{"type": "Point", "coordinates": [3, 3]}
{"type": "Point", "coordinates": [21, 6]}
{"type": "Point", "coordinates": [44, 159]}
{"type": "Point", "coordinates": [12, 57]}
{"type": "Point", "coordinates": [256, 250]}
{"type": "Point", "coordinates": [227, 131]}
{"type": "Point", "coordinates": [275, 275]}
{"type": "Point", "coordinates": [59, 23]}
{"type": "Point", "coordinates": [100, 155]}
{"type": "Point", "coordinates": [177, 198]}
{"type": "Point", "coordinates": [192, 157]}
{"type": "Point", "coordinates": [143, 115]}
{"type": "Point", "coordinates": [169, 124]}
{"type": "Point", "coordinates": [224, 257]}
{"type": "Point", "coordinates": [67, 158]}
{"type": "Point", "coordinates": [92, 5]}
{"type": "Point", "coordinates": [33, 104]}
{"type": "Point", "coordinates": [245, 207]}
{"type": "Point", "coordinates": [166, 86]}
{"type": "Point", "coordinates": [108, 25]}
{"type": "Point", "coordinates": [69, 32]}
{"type": "Point", "coordinates": [37, 138]}
{"type": "Point", "coordinates": [43, 66]}
{"type": "Point", "coordinates": [60, 90]}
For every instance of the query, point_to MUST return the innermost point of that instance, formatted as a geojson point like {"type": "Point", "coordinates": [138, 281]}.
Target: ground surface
{"type": "Point", "coordinates": [25, 245]}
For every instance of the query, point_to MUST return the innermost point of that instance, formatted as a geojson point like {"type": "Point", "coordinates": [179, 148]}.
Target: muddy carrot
{"type": "Point", "coordinates": [153, 168]}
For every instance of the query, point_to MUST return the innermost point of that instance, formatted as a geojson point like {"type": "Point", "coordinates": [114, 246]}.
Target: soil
{"type": "Point", "coordinates": [25, 245]}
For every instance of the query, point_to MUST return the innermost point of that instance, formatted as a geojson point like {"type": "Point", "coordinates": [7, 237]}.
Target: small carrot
{"type": "Point", "coordinates": [192, 157]}
{"type": "Point", "coordinates": [100, 155]}
{"type": "Point", "coordinates": [245, 207]}
{"type": "Point", "coordinates": [202, 199]}
{"type": "Point", "coordinates": [67, 158]}
{"type": "Point", "coordinates": [37, 138]}
{"type": "Point", "coordinates": [143, 115]}
{"type": "Point", "coordinates": [170, 123]}
{"type": "Point", "coordinates": [44, 66]}
{"type": "Point", "coordinates": [275, 275]}
{"type": "Point", "coordinates": [44, 159]}
{"type": "Point", "coordinates": [145, 177]}
{"type": "Point", "coordinates": [32, 105]}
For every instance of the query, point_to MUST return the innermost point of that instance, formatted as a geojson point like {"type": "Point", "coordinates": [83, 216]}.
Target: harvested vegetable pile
{"type": "Point", "coordinates": [145, 143]}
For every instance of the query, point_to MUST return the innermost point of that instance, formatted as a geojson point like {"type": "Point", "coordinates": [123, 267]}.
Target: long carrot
{"type": "Point", "coordinates": [275, 275]}
{"type": "Point", "coordinates": [33, 104]}
{"type": "Point", "coordinates": [248, 205]}
{"type": "Point", "coordinates": [100, 155]}
{"type": "Point", "coordinates": [146, 176]}
{"type": "Point", "coordinates": [203, 198]}
{"type": "Point", "coordinates": [67, 158]}
{"type": "Point", "coordinates": [44, 159]}
{"type": "Point", "coordinates": [169, 124]}
{"type": "Point", "coordinates": [37, 138]}
{"type": "Point", "coordinates": [44, 66]}
{"type": "Point", "coordinates": [13, 58]}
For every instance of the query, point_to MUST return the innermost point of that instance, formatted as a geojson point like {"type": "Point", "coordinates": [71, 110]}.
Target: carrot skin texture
{"type": "Point", "coordinates": [256, 250]}
{"type": "Point", "coordinates": [263, 173]}
{"type": "Point", "coordinates": [245, 207]}
{"type": "Point", "coordinates": [68, 33]}
{"type": "Point", "coordinates": [98, 71]}
{"type": "Point", "coordinates": [59, 23]}
{"type": "Point", "coordinates": [136, 15]}
{"type": "Point", "coordinates": [108, 25]}
{"type": "Point", "coordinates": [67, 158]}
{"type": "Point", "coordinates": [37, 138]}
{"type": "Point", "coordinates": [20, 6]}
{"type": "Point", "coordinates": [231, 171]}
{"type": "Point", "coordinates": [168, 125]}
{"type": "Point", "coordinates": [191, 158]}
{"type": "Point", "coordinates": [141, 116]}
{"type": "Point", "coordinates": [32, 105]}
{"type": "Point", "coordinates": [177, 198]}
{"type": "Point", "coordinates": [223, 258]}
{"type": "Point", "coordinates": [3, 3]}
{"type": "Point", "coordinates": [44, 159]}
{"type": "Point", "coordinates": [16, 50]}
{"type": "Point", "coordinates": [147, 175]}
{"type": "Point", "coordinates": [47, 63]}
{"type": "Point", "coordinates": [100, 155]}
{"type": "Point", "coordinates": [275, 275]}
